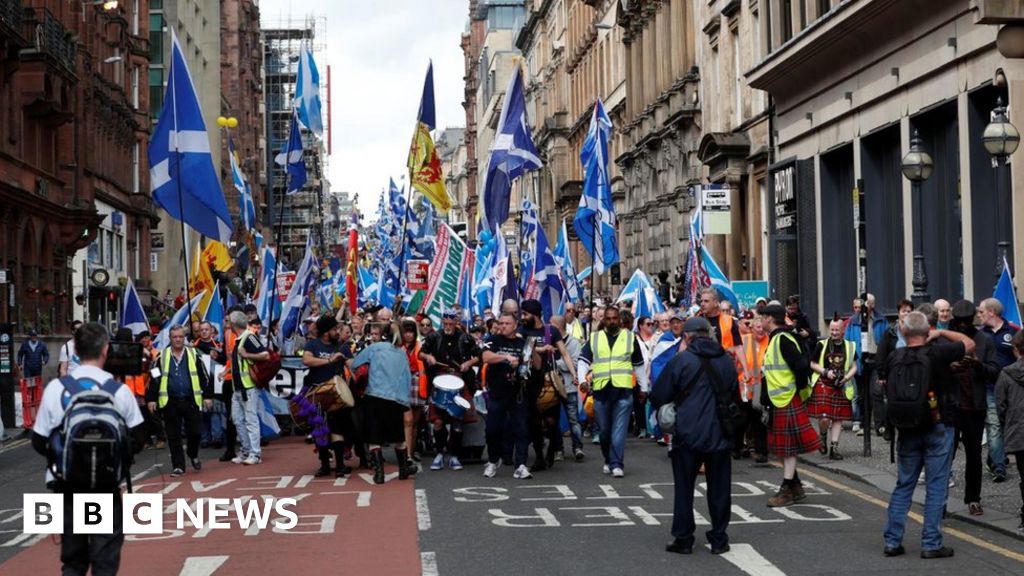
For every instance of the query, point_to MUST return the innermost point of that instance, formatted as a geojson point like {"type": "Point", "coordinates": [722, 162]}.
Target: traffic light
{"type": "Point", "coordinates": [616, 275]}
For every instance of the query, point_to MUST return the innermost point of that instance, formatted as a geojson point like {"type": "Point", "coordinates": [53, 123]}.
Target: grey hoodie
{"type": "Point", "coordinates": [1010, 405]}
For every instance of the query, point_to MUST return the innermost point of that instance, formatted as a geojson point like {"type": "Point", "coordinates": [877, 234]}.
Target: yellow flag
{"type": "Point", "coordinates": [425, 169]}
{"type": "Point", "coordinates": [214, 257]}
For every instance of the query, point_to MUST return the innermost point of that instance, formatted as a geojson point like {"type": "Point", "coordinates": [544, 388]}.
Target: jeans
{"type": "Point", "coordinates": [101, 552]}
{"type": "Point", "coordinates": [247, 420]}
{"type": "Point", "coordinates": [177, 412]}
{"type": "Point", "coordinates": [213, 423]}
{"type": "Point", "coordinates": [968, 432]}
{"type": "Point", "coordinates": [930, 451]}
{"type": "Point", "coordinates": [507, 413]}
{"type": "Point", "coordinates": [572, 412]}
{"type": "Point", "coordinates": [996, 453]}
{"type": "Point", "coordinates": [718, 472]}
{"type": "Point", "coordinates": [612, 407]}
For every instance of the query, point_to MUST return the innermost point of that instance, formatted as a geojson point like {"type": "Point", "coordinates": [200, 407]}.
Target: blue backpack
{"type": "Point", "coordinates": [91, 449]}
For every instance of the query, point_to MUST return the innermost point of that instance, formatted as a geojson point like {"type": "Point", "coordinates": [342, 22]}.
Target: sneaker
{"type": "Point", "coordinates": [454, 463]}
{"type": "Point", "coordinates": [197, 464]}
{"type": "Point", "coordinates": [858, 430]}
{"type": "Point", "coordinates": [491, 469]}
{"type": "Point", "coordinates": [944, 552]}
{"type": "Point", "coordinates": [999, 476]}
{"type": "Point", "coordinates": [324, 470]}
{"type": "Point", "coordinates": [663, 440]}
{"type": "Point", "coordinates": [577, 453]}
{"type": "Point", "coordinates": [617, 473]}
{"type": "Point", "coordinates": [784, 497]}
{"type": "Point", "coordinates": [252, 460]}
{"type": "Point", "coordinates": [952, 482]}
{"type": "Point", "coordinates": [438, 463]}
{"type": "Point", "coordinates": [559, 456]}
{"type": "Point", "coordinates": [595, 440]}
{"type": "Point", "coordinates": [177, 472]}
{"type": "Point", "coordinates": [606, 469]}
{"type": "Point", "coordinates": [239, 459]}
{"type": "Point", "coordinates": [522, 473]}
{"type": "Point", "coordinates": [975, 509]}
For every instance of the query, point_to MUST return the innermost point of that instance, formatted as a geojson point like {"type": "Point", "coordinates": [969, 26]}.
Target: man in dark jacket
{"type": "Point", "coordinates": [32, 356]}
{"type": "Point", "coordinates": [698, 437]}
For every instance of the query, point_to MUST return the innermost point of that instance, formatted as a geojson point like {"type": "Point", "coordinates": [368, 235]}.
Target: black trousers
{"type": "Point", "coordinates": [101, 552]}
{"type": "Point", "coordinates": [7, 386]}
{"type": "Point", "coordinates": [1019, 457]}
{"type": "Point", "coordinates": [758, 432]}
{"type": "Point", "coordinates": [178, 412]}
{"type": "Point", "coordinates": [718, 473]}
{"type": "Point", "coordinates": [968, 432]}
{"type": "Point", "coordinates": [541, 424]}
{"type": "Point", "coordinates": [230, 433]}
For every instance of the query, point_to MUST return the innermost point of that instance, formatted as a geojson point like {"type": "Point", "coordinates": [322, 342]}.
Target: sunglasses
{"type": "Point", "coordinates": [648, 323]}
{"type": "Point", "coordinates": [426, 325]}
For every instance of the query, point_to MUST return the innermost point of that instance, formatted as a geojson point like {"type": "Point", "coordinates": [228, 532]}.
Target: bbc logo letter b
{"type": "Point", "coordinates": [93, 514]}
{"type": "Point", "coordinates": [42, 514]}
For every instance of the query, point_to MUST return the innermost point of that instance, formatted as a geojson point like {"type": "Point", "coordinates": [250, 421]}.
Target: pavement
{"type": "Point", "coordinates": [1001, 501]}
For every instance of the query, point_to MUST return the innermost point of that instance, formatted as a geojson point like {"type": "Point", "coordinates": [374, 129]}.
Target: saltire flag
{"type": "Point", "coordinates": [180, 318]}
{"type": "Point", "coordinates": [352, 269]}
{"type": "Point", "coordinates": [246, 207]}
{"type": "Point", "coordinates": [527, 244]}
{"type": "Point", "coordinates": [584, 274]}
{"type": "Point", "coordinates": [133, 316]}
{"type": "Point", "coordinates": [257, 240]}
{"type": "Point", "coordinates": [546, 284]}
{"type": "Point", "coordinates": [424, 164]}
{"type": "Point", "coordinates": [242, 258]}
{"type": "Point", "coordinates": [266, 304]}
{"type": "Point", "coordinates": [215, 312]}
{"type": "Point", "coordinates": [291, 157]}
{"type": "Point", "coordinates": [483, 279]}
{"type": "Point", "coordinates": [595, 218]}
{"type": "Point", "coordinates": [1007, 296]}
{"type": "Point", "coordinates": [183, 179]}
{"type": "Point", "coordinates": [427, 231]}
{"type": "Point", "coordinates": [369, 288]}
{"type": "Point", "coordinates": [269, 428]}
{"type": "Point", "coordinates": [298, 297]}
{"type": "Point", "coordinates": [512, 154]}
{"type": "Point", "coordinates": [664, 350]}
{"type": "Point", "coordinates": [696, 276]}
{"type": "Point", "coordinates": [647, 304]}
{"type": "Point", "coordinates": [307, 93]}
{"type": "Point", "coordinates": [718, 279]}
{"type": "Point", "coordinates": [573, 292]}
{"type": "Point", "coordinates": [501, 273]}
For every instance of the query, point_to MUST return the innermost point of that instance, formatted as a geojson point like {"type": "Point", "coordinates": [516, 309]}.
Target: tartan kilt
{"type": "Point", "coordinates": [791, 433]}
{"type": "Point", "coordinates": [414, 394]}
{"type": "Point", "coordinates": [830, 402]}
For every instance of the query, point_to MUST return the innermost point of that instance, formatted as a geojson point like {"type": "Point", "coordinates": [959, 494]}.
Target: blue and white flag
{"type": "Point", "coordinates": [573, 292]}
{"type": "Point", "coordinates": [584, 274]}
{"type": "Point", "coordinates": [483, 279]}
{"type": "Point", "coordinates": [595, 218]}
{"type": "Point", "coordinates": [133, 316]}
{"type": "Point", "coordinates": [718, 278]}
{"type": "Point", "coordinates": [546, 276]}
{"type": "Point", "coordinates": [298, 297]}
{"type": "Point", "coordinates": [527, 244]}
{"type": "Point", "coordinates": [180, 318]}
{"type": "Point", "coordinates": [664, 350]}
{"type": "Point", "coordinates": [307, 93]}
{"type": "Point", "coordinates": [291, 157]}
{"type": "Point", "coordinates": [266, 302]}
{"type": "Point", "coordinates": [369, 288]}
{"type": "Point", "coordinates": [246, 207]}
{"type": "Point", "coordinates": [1007, 296]}
{"type": "Point", "coordinates": [182, 177]}
{"type": "Point", "coordinates": [500, 272]}
{"type": "Point", "coordinates": [215, 312]}
{"type": "Point", "coordinates": [269, 428]}
{"type": "Point", "coordinates": [512, 154]}
{"type": "Point", "coordinates": [427, 237]}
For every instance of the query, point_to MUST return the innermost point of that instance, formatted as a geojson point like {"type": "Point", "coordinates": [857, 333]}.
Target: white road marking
{"type": "Point", "coordinates": [744, 557]}
{"type": "Point", "coordinates": [422, 510]}
{"type": "Point", "coordinates": [428, 560]}
{"type": "Point", "coordinates": [202, 565]}
{"type": "Point", "coordinates": [139, 476]}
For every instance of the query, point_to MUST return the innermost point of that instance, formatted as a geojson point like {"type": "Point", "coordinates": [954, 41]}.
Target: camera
{"type": "Point", "coordinates": [124, 359]}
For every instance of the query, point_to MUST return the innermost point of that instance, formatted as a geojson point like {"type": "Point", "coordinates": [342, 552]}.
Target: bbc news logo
{"type": "Point", "coordinates": [144, 513]}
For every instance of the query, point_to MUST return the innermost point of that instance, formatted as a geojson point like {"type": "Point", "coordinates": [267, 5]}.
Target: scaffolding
{"type": "Point", "coordinates": [303, 212]}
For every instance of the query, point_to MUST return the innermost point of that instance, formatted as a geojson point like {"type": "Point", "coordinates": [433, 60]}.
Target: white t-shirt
{"type": "Point", "coordinates": [51, 408]}
{"type": "Point", "coordinates": [67, 354]}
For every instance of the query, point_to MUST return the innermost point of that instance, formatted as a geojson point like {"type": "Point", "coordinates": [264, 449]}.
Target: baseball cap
{"type": "Point", "coordinates": [449, 314]}
{"type": "Point", "coordinates": [697, 324]}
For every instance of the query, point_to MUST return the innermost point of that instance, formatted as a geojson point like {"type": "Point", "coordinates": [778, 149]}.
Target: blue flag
{"type": "Point", "coordinates": [133, 316]}
{"type": "Point", "coordinates": [718, 278]}
{"type": "Point", "coordinates": [183, 180]}
{"type": "Point", "coordinates": [512, 154]}
{"type": "Point", "coordinates": [298, 298]}
{"type": "Point", "coordinates": [266, 304]}
{"type": "Point", "coordinates": [180, 318]}
{"type": "Point", "coordinates": [246, 207]}
{"type": "Point", "coordinates": [527, 244]}
{"type": "Point", "coordinates": [573, 293]}
{"type": "Point", "coordinates": [595, 218]}
{"type": "Point", "coordinates": [546, 276]}
{"type": "Point", "coordinates": [291, 157]}
{"type": "Point", "coordinates": [215, 312]}
{"type": "Point", "coordinates": [1007, 296]}
{"type": "Point", "coordinates": [307, 93]}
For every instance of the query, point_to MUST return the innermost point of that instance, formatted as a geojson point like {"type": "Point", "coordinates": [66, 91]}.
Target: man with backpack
{"type": "Point", "coordinates": [922, 410]}
{"type": "Point", "coordinates": [88, 427]}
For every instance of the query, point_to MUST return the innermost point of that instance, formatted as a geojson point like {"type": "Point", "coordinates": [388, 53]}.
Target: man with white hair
{"type": "Point", "coordinates": [1002, 333]}
{"type": "Point", "coordinates": [245, 401]}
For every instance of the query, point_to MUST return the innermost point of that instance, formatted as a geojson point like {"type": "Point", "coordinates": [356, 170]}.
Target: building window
{"type": "Point", "coordinates": [738, 75]}
{"type": "Point", "coordinates": [823, 7]}
{"type": "Point", "coordinates": [119, 252]}
{"type": "Point", "coordinates": [135, 87]}
{"type": "Point", "coordinates": [156, 4]}
{"type": "Point", "coordinates": [135, 168]}
{"type": "Point", "coordinates": [156, 91]}
{"type": "Point", "coordinates": [156, 39]}
{"type": "Point", "coordinates": [787, 20]}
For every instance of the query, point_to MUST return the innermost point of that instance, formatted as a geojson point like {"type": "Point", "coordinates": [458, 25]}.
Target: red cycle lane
{"type": "Point", "coordinates": [344, 525]}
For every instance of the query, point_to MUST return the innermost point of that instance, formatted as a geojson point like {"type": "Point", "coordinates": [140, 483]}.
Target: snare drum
{"type": "Point", "coordinates": [446, 389]}
{"type": "Point", "coordinates": [458, 408]}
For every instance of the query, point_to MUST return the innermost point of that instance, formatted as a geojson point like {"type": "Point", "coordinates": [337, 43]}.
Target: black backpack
{"type": "Point", "coordinates": [906, 389]}
{"type": "Point", "coordinates": [91, 449]}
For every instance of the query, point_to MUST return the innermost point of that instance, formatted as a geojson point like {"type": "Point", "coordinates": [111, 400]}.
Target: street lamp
{"type": "Point", "coordinates": [917, 166]}
{"type": "Point", "coordinates": [1000, 139]}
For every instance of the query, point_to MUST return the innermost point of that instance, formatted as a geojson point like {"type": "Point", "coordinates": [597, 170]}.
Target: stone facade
{"type": "Point", "coordinates": [471, 43]}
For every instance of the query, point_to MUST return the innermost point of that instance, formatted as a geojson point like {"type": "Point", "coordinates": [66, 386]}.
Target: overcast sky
{"type": "Point", "coordinates": [378, 53]}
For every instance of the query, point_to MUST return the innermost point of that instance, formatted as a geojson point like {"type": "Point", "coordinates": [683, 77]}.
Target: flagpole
{"type": "Point", "coordinates": [401, 247]}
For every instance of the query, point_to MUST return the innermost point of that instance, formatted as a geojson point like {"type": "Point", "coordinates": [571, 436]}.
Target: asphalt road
{"type": "Point", "coordinates": [573, 518]}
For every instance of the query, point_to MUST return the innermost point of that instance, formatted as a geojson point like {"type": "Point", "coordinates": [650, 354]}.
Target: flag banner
{"type": "Point", "coordinates": [424, 164]}
{"type": "Point", "coordinates": [297, 302]}
{"type": "Point", "coordinates": [1007, 296]}
{"type": "Point", "coordinates": [449, 270]}
{"type": "Point", "coordinates": [291, 157]}
{"type": "Point", "coordinates": [180, 318]}
{"type": "Point", "coordinates": [133, 316]}
{"type": "Point", "coordinates": [418, 272]}
{"type": "Point", "coordinates": [285, 281]}
{"type": "Point", "coordinates": [307, 93]}
{"type": "Point", "coordinates": [246, 208]}
{"type": "Point", "coordinates": [352, 270]}
{"type": "Point", "coordinates": [573, 291]}
{"type": "Point", "coordinates": [215, 312]}
{"type": "Point", "coordinates": [595, 218]}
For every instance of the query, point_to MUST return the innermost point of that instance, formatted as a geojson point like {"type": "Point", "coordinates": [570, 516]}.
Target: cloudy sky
{"type": "Point", "coordinates": [378, 53]}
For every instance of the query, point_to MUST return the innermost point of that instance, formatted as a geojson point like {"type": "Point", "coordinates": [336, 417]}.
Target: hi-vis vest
{"type": "Point", "coordinates": [725, 323]}
{"type": "Point", "coordinates": [165, 367]}
{"type": "Point", "coordinates": [576, 329]}
{"type": "Point", "coordinates": [243, 364]}
{"type": "Point", "coordinates": [851, 352]}
{"type": "Point", "coordinates": [778, 376]}
{"type": "Point", "coordinates": [612, 362]}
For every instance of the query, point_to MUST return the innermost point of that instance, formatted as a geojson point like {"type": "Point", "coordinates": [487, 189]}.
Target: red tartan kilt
{"type": "Point", "coordinates": [791, 433]}
{"type": "Point", "coordinates": [829, 402]}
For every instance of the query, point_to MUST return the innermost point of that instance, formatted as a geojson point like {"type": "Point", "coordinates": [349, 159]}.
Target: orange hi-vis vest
{"type": "Point", "coordinates": [753, 358]}
{"type": "Point", "coordinates": [418, 371]}
{"type": "Point", "coordinates": [229, 347]}
{"type": "Point", "coordinates": [725, 326]}
{"type": "Point", "coordinates": [138, 384]}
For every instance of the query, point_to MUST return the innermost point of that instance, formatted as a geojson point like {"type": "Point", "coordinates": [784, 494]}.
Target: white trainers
{"type": "Point", "coordinates": [522, 473]}
{"type": "Point", "coordinates": [617, 473]}
{"type": "Point", "coordinates": [606, 469]}
{"type": "Point", "coordinates": [438, 462]}
{"type": "Point", "coordinates": [454, 463]}
{"type": "Point", "coordinates": [239, 459]}
{"type": "Point", "coordinates": [253, 460]}
{"type": "Point", "coordinates": [491, 469]}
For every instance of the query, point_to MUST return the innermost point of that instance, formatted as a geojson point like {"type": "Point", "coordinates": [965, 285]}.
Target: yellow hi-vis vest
{"type": "Point", "coordinates": [851, 352]}
{"type": "Point", "coordinates": [778, 376]}
{"type": "Point", "coordinates": [190, 357]}
{"type": "Point", "coordinates": [612, 361]}
{"type": "Point", "coordinates": [243, 364]}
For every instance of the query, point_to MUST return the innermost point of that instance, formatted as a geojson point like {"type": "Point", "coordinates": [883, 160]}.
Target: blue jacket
{"type": "Point", "coordinates": [853, 333]}
{"type": "Point", "coordinates": [390, 377]}
{"type": "Point", "coordinates": [697, 424]}
{"type": "Point", "coordinates": [33, 361]}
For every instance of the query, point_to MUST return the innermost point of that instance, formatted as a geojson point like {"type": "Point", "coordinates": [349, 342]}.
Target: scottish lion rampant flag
{"type": "Point", "coordinates": [424, 164]}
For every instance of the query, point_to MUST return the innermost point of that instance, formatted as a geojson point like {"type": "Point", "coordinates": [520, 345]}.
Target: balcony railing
{"type": "Point", "coordinates": [51, 39]}
{"type": "Point", "coordinates": [10, 17]}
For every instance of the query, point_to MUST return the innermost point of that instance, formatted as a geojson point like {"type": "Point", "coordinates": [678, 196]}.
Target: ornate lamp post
{"type": "Point", "coordinates": [917, 166]}
{"type": "Point", "coordinates": [1001, 140]}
